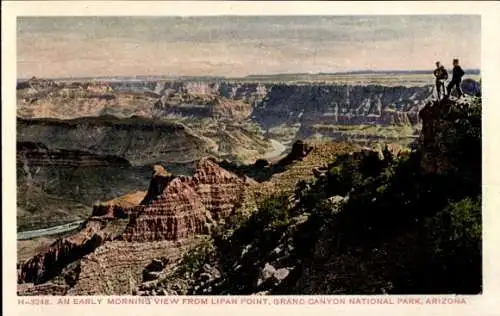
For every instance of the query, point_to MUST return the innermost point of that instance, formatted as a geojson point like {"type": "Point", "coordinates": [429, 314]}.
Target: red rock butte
{"type": "Point", "coordinates": [173, 209]}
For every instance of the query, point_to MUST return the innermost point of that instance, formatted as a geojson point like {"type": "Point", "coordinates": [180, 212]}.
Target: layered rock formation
{"type": "Point", "coordinates": [318, 155]}
{"type": "Point", "coordinates": [269, 103]}
{"type": "Point", "coordinates": [202, 106]}
{"type": "Point", "coordinates": [37, 154]}
{"type": "Point", "coordinates": [287, 111]}
{"type": "Point", "coordinates": [58, 186]}
{"type": "Point", "coordinates": [116, 267]}
{"type": "Point", "coordinates": [178, 213]}
{"type": "Point", "coordinates": [299, 164]}
{"type": "Point", "coordinates": [374, 221]}
{"type": "Point", "coordinates": [219, 190]}
{"type": "Point", "coordinates": [66, 100]}
{"type": "Point", "coordinates": [48, 180]}
{"type": "Point", "coordinates": [138, 225]}
{"type": "Point", "coordinates": [185, 206]}
{"type": "Point", "coordinates": [138, 140]}
{"type": "Point", "coordinates": [362, 134]}
{"type": "Point", "coordinates": [51, 261]}
{"type": "Point", "coordinates": [145, 141]}
{"type": "Point", "coordinates": [341, 104]}
{"type": "Point", "coordinates": [73, 102]}
{"type": "Point", "coordinates": [250, 92]}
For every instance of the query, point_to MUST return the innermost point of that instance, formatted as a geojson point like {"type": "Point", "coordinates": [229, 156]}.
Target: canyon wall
{"type": "Point", "coordinates": [39, 155]}
{"type": "Point", "coordinates": [268, 103]}
{"type": "Point", "coordinates": [139, 140]}
{"type": "Point", "coordinates": [58, 186]}
{"type": "Point", "coordinates": [329, 103]}
{"type": "Point", "coordinates": [341, 104]}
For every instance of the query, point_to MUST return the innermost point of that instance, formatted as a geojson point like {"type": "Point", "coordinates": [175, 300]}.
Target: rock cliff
{"type": "Point", "coordinates": [341, 104]}
{"type": "Point", "coordinates": [244, 109]}
{"type": "Point", "coordinates": [58, 186]}
{"type": "Point", "coordinates": [176, 214]}
{"type": "Point", "coordinates": [450, 130]}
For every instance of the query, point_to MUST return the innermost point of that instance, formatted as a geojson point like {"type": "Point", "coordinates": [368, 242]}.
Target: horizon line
{"type": "Point", "coordinates": [474, 71]}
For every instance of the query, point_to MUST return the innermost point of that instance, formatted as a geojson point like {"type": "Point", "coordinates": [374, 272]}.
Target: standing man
{"type": "Point", "coordinates": [441, 75]}
{"type": "Point", "coordinates": [456, 80]}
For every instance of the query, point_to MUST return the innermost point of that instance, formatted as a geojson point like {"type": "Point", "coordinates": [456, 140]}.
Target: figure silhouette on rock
{"type": "Point", "coordinates": [456, 80]}
{"type": "Point", "coordinates": [441, 75]}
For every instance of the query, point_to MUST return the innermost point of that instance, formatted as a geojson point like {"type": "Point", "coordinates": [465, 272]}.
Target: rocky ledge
{"type": "Point", "coordinates": [449, 130]}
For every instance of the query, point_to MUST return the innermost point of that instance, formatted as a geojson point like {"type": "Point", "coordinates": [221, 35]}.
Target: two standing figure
{"type": "Point", "coordinates": [441, 75]}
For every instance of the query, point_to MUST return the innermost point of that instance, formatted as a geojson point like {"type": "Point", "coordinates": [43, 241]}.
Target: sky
{"type": "Point", "coordinates": [235, 46]}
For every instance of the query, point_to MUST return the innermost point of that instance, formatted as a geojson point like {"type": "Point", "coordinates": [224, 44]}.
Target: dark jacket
{"type": "Point", "coordinates": [458, 73]}
{"type": "Point", "coordinates": [441, 73]}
